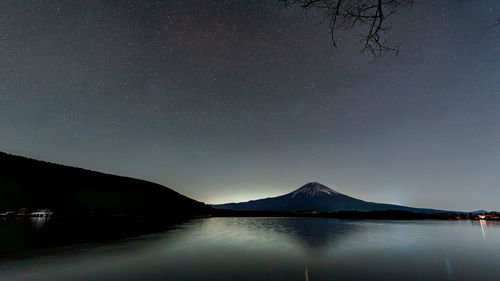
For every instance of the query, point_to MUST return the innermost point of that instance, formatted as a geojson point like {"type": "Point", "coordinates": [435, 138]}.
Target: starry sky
{"type": "Point", "coordinates": [235, 100]}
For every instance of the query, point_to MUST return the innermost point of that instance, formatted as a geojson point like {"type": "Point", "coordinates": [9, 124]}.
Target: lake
{"type": "Point", "coordinates": [273, 249]}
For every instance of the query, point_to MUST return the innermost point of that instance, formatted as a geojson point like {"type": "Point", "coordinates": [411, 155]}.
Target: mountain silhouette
{"type": "Point", "coordinates": [314, 196]}
{"type": "Point", "coordinates": [69, 191]}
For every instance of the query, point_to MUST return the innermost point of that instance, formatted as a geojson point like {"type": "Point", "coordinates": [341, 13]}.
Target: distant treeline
{"type": "Point", "coordinates": [375, 215]}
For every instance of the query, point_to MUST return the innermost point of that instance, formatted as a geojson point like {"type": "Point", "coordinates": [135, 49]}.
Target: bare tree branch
{"type": "Point", "coordinates": [497, 23]}
{"type": "Point", "coordinates": [369, 16]}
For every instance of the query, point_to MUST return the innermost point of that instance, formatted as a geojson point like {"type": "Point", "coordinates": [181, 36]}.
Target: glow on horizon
{"type": "Point", "coordinates": [236, 197]}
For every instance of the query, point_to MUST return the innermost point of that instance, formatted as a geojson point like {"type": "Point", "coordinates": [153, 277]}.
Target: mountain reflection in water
{"type": "Point", "coordinates": [276, 249]}
{"type": "Point", "coordinates": [312, 234]}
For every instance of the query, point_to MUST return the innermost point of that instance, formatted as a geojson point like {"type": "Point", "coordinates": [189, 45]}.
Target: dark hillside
{"type": "Point", "coordinates": [69, 191]}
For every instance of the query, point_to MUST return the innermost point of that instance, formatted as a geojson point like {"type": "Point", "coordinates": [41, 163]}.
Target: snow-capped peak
{"type": "Point", "coordinates": [313, 189]}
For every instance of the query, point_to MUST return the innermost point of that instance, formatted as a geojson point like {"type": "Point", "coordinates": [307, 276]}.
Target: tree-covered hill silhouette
{"type": "Point", "coordinates": [69, 191]}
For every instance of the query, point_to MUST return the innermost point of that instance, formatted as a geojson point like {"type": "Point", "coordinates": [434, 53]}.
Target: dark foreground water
{"type": "Point", "coordinates": [274, 249]}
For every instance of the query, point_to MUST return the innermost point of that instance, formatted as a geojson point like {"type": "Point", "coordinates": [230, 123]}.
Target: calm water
{"type": "Point", "coordinates": [278, 249]}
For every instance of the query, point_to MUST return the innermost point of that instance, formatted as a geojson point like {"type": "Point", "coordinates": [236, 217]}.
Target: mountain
{"type": "Point", "coordinates": [317, 197]}
{"type": "Point", "coordinates": [69, 191]}
{"type": "Point", "coordinates": [479, 212]}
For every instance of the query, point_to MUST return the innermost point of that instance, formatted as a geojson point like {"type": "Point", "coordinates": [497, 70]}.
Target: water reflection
{"type": "Point", "coordinates": [483, 228]}
{"type": "Point", "coordinates": [277, 249]}
{"type": "Point", "coordinates": [39, 223]}
{"type": "Point", "coordinates": [314, 234]}
{"type": "Point", "coordinates": [24, 235]}
{"type": "Point", "coordinates": [448, 268]}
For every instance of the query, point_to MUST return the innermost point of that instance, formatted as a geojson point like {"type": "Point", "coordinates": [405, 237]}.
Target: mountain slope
{"type": "Point", "coordinates": [316, 197]}
{"type": "Point", "coordinates": [33, 184]}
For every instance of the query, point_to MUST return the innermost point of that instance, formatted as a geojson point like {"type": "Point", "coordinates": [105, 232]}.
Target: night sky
{"type": "Point", "coordinates": [236, 100]}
